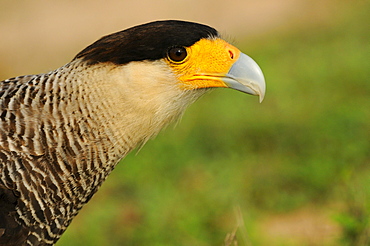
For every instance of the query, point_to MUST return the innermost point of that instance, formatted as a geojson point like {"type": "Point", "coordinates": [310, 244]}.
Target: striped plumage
{"type": "Point", "coordinates": [56, 151]}
{"type": "Point", "coordinates": [63, 132]}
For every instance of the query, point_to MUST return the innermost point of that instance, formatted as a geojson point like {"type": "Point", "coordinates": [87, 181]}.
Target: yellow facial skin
{"type": "Point", "coordinates": [207, 62]}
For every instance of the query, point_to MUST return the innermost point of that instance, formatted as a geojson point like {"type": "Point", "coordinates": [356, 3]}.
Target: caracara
{"type": "Point", "coordinates": [62, 132]}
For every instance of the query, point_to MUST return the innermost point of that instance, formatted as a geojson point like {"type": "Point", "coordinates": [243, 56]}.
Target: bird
{"type": "Point", "coordinates": [64, 131]}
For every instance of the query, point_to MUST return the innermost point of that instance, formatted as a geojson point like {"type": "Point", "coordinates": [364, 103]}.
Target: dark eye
{"type": "Point", "coordinates": [177, 54]}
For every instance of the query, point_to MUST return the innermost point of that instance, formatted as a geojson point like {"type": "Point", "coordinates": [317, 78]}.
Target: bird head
{"type": "Point", "coordinates": [193, 52]}
{"type": "Point", "coordinates": [149, 74]}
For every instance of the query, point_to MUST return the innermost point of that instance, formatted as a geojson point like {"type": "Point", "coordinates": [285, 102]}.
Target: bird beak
{"type": "Point", "coordinates": [245, 75]}
{"type": "Point", "coordinates": [214, 63]}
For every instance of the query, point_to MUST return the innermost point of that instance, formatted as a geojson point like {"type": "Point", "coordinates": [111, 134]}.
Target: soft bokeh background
{"type": "Point", "coordinates": [294, 170]}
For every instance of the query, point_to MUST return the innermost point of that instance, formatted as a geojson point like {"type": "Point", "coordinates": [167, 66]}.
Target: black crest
{"type": "Point", "coordinates": [145, 42]}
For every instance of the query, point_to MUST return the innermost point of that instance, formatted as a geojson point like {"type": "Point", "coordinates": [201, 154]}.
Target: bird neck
{"type": "Point", "coordinates": [104, 119]}
{"type": "Point", "coordinates": [71, 128]}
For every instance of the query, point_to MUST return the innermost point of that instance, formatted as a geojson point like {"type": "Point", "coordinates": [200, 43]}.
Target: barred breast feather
{"type": "Point", "coordinates": [53, 155]}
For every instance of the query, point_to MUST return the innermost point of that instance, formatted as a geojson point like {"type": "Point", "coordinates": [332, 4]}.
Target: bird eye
{"type": "Point", "coordinates": [177, 54]}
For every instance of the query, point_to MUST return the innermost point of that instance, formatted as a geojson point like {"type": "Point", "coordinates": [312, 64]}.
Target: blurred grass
{"type": "Point", "coordinates": [307, 144]}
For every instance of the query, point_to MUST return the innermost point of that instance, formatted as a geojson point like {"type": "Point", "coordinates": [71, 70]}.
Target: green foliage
{"type": "Point", "coordinates": [307, 144]}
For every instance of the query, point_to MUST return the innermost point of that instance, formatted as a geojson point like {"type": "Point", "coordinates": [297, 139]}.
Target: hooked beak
{"type": "Point", "coordinates": [246, 76]}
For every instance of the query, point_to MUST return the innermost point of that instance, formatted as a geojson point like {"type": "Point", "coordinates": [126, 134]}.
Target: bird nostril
{"type": "Point", "coordinates": [231, 53]}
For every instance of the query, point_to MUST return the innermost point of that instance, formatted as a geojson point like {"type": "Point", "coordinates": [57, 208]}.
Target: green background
{"type": "Point", "coordinates": [294, 170]}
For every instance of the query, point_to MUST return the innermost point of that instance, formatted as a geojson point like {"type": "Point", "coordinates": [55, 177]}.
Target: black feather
{"type": "Point", "coordinates": [149, 41]}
